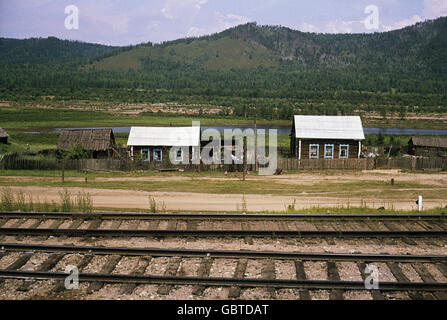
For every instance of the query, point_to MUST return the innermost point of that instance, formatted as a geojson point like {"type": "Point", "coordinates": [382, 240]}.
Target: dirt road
{"type": "Point", "coordinates": [182, 201]}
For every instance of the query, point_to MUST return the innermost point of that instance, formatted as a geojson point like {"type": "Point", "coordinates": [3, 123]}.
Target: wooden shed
{"type": "Point", "coordinates": [422, 146]}
{"type": "Point", "coordinates": [101, 142]}
{"type": "Point", "coordinates": [154, 144]}
{"type": "Point", "coordinates": [3, 136]}
{"type": "Point", "coordinates": [326, 137]}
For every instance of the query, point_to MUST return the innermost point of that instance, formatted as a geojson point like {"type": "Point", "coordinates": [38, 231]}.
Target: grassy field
{"type": "Point", "coordinates": [196, 184]}
{"type": "Point", "coordinates": [29, 119]}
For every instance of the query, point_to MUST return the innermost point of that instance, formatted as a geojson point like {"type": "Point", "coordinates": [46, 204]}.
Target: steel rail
{"type": "Point", "coordinates": [156, 252]}
{"type": "Point", "coordinates": [218, 233]}
{"type": "Point", "coordinates": [217, 216]}
{"type": "Point", "coordinates": [224, 282]}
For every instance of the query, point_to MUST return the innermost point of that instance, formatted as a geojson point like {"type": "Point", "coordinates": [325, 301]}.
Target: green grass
{"type": "Point", "coordinates": [27, 118]}
{"type": "Point", "coordinates": [359, 190]}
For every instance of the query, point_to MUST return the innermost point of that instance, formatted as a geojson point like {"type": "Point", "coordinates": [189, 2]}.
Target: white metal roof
{"type": "Point", "coordinates": [329, 127]}
{"type": "Point", "coordinates": [168, 136]}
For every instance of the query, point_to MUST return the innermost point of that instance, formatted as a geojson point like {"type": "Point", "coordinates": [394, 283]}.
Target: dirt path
{"type": "Point", "coordinates": [182, 201]}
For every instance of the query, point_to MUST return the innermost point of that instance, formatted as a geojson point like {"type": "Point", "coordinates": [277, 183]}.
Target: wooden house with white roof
{"type": "Point", "coordinates": [153, 144]}
{"type": "Point", "coordinates": [326, 137]}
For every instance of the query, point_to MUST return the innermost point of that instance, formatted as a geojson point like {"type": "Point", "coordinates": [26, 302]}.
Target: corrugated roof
{"type": "Point", "coordinates": [164, 136]}
{"type": "Point", "coordinates": [91, 139]}
{"type": "Point", "coordinates": [329, 127]}
{"type": "Point", "coordinates": [429, 142]}
{"type": "Point", "coordinates": [3, 133]}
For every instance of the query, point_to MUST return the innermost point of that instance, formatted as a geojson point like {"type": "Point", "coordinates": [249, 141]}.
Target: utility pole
{"type": "Point", "coordinates": [245, 159]}
{"type": "Point", "coordinates": [256, 142]}
{"type": "Point", "coordinates": [63, 170]}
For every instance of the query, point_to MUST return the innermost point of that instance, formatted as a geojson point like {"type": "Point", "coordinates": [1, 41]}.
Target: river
{"type": "Point", "coordinates": [286, 130]}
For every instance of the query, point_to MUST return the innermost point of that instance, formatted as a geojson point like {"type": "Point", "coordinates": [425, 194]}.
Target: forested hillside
{"type": "Point", "coordinates": [247, 63]}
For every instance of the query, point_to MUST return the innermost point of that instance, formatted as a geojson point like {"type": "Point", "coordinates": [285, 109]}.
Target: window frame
{"type": "Point", "coordinates": [347, 151]}
{"type": "Point", "coordinates": [176, 154]}
{"type": "Point", "coordinates": [148, 151]}
{"type": "Point", "coordinates": [161, 154]}
{"type": "Point", "coordinates": [333, 151]}
{"type": "Point", "coordinates": [310, 151]}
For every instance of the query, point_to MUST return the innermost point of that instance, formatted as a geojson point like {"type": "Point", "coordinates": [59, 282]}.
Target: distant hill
{"type": "Point", "coordinates": [48, 50]}
{"type": "Point", "coordinates": [245, 62]}
{"type": "Point", "coordinates": [421, 48]}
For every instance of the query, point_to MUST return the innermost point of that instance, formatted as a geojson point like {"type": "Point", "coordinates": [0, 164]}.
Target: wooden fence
{"type": "Point", "coordinates": [17, 163]}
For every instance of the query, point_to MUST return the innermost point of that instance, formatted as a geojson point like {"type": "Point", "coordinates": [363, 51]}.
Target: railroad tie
{"type": "Point", "coordinates": [47, 265]}
{"type": "Point", "coordinates": [376, 294]}
{"type": "Point", "coordinates": [239, 273]}
{"type": "Point", "coordinates": [245, 226]}
{"type": "Point", "coordinates": [269, 272]}
{"type": "Point", "coordinates": [116, 224]}
{"type": "Point", "coordinates": [328, 240]}
{"type": "Point", "coordinates": [171, 270]}
{"type": "Point", "coordinates": [409, 241]}
{"type": "Point", "coordinates": [3, 222]}
{"type": "Point", "coordinates": [76, 223]}
{"type": "Point", "coordinates": [56, 224]}
{"type": "Point", "coordinates": [191, 225]}
{"type": "Point", "coordinates": [172, 225]}
{"type": "Point", "coordinates": [301, 275]}
{"type": "Point", "coordinates": [94, 224]}
{"type": "Point", "coordinates": [426, 276]}
{"type": "Point", "coordinates": [140, 268]}
{"type": "Point", "coordinates": [85, 261]}
{"type": "Point", "coordinates": [154, 225]}
{"type": "Point", "coordinates": [442, 225]}
{"type": "Point", "coordinates": [401, 277]}
{"type": "Point", "coordinates": [36, 224]}
{"type": "Point", "coordinates": [107, 268]}
{"type": "Point", "coordinates": [333, 275]}
{"type": "Point", "coordinates": [18, 223]}
{"type": "Point", "coordinates": [203, 271]}
{"type": "Point", "coordinates": [17, 264]}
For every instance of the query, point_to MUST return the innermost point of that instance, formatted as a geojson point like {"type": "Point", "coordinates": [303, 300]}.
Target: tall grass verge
{"type": "Point", "coordinates": [18, 201]}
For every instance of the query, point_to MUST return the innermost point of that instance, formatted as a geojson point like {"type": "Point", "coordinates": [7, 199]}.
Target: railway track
{"type": "Point", "coordinates": [133, 233]}
{"type": "Point", "coordinates": [221, 225]}
{"type": "Point", "coordinates": [51, 266]}
{"type": "Point", "coordinates": [226, 216]}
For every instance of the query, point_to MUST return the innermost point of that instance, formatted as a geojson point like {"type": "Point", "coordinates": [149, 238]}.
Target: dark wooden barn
{"type": "Point", "coordinates": [326, 137]}
{"type": "Point", "coordinates": [428, 147]}
{"type": "Point", "coordinates": [3, 136]}
{"type": "Point", "coordinates": [100, 142]}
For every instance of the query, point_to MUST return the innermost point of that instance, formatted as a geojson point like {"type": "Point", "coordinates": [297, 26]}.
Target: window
{"type": "Point", "coordinates": [158, 154]}
{"type": "Point", "coordinates": [344, 151]}
{"type": "Point", "coordinates": [314, 151]}
{"type": "Point", "coordinates": [179, 154]}
{"type": "Point", "coordinates": [328, 151]}
{"type": "Point", "coordinates": [145, 155]}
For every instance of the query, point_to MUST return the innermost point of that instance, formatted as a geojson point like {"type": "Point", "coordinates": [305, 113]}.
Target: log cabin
{"type": "Point", "coordinates": [428, 147]}
{"type": "Point", "coordinates": [100, 143]}
{"type": "Point", "coordinates": [326, 137]}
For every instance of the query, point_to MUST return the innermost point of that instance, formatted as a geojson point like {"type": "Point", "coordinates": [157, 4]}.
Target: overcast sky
{"type": "Point", "coordinates": [118, 22]}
